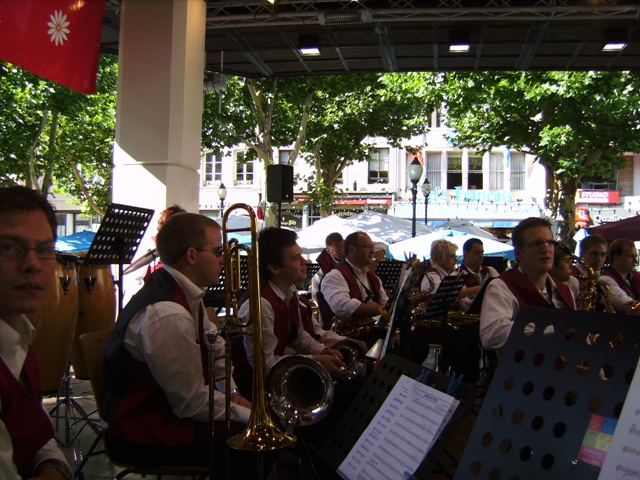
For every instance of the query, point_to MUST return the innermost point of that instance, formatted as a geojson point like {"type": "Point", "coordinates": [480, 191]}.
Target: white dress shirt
{"type": "Point", "coordinates": [619, 298]}
{"type": "Point", "coordinates": [304, 343]}
{"type": "Point", "coordinates": [336, 291]}
{"type": "Point", "coordinates": [14, 344]}
{"type": "Point", "coordinates": [163, 335]}
{"type": "Point", "coordinates": [500, 307]}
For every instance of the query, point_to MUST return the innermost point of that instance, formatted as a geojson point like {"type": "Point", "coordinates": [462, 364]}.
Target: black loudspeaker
{"type": "Point", "coordinates": [279, 183]}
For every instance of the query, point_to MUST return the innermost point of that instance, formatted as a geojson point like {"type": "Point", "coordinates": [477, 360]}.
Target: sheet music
{"type": "Point", "coordinates": [400, 435]}
{"type": "Point", "coordinates": [623, 456]}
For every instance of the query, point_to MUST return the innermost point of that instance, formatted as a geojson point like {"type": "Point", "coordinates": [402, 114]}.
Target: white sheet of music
{"type": "Point", "coordinates": [623, 456]}
{"type": "Point", "coordinates": [400, 435]}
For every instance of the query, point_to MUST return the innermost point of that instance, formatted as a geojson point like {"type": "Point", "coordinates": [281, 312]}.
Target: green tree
{"type": "Point", "coordinates": [576, 124]}
{"type": "Point", "coordinates": [325, 118]}
{"type": "Point", "coordinates": [56, 139]}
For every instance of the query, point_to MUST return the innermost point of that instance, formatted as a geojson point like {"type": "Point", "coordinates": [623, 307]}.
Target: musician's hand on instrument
{"type": "Point", "coordinates": [359, 342]}
{"type": "Point", "coordinates": [332, 364]}
{"type": "Point", "coordinates": [239, 400]}
{"type": "Point", "coordinates": [331, 351]}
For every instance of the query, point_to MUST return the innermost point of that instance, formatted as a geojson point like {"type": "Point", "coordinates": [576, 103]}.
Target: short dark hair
{"type": "Point", "coordinates": [560, 250]}
{"type": "Point", "coordinates": [181, 232]}
{"type": "Point", "coordinates": [617, 247]}
{"type": "Point", "coordinates": [591, 241]}
{"type": "Point", "coordinates": [271, 244]}
{"type": "Point", "coordinates": [332, 238]}
{"type": "Point", "coordinates": [24, 199]}
{"type": "Point", "coordinates": [168, 212]}
{"type": "Point", "coordinates": [352, 239]}
{"type": "Point", "coordinates": [518, 235]}
{"type": "Point", "coordinates": [468, 245]}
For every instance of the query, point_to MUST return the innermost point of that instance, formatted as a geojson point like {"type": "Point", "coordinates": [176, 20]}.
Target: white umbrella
{"type": "Point", "coordinates": [312, 238]}
{"type": "Point", "coordinates": [421, 246]}
{"type": "Point", "coordinates": [465, 227]}
{"type": "Point", "coordinates": [386, 228]}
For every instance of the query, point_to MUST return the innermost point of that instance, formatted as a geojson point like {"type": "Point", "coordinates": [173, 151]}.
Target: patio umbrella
{"type": "Point", "coordinates": [421, 246]}
{"type": "Point", "coordinates": [626, 228]}
{"type": "Point", "coordinates": [386, 228]}
{"type": "Point", "coordinates": [312, 238]}
{"type": "Point", "coordinates": [465, 227]}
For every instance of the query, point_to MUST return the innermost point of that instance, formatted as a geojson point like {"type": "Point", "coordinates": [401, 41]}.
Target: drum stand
{"type": "Point", "coordinates": [73, 413]}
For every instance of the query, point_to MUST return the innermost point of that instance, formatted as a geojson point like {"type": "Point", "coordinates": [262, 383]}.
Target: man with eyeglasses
{"type": "Point", "coordinates": [352, 290]}
{"type": "Point", "coordinates": [527, 285]}
{"type": "Point", "coordinates": [621, 275]}
{"type": "Point", "coordinates": [156, 361]}
{"type": "Point", "coordinates": [329, 258]}
{"type": "Point", "coordinates": [593, 253]}
{"type": "Point", "coordinates": [28, 230]}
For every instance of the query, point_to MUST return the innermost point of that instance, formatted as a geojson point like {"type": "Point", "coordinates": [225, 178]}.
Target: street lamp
{"type": "Point", "coordinates": [415, 172]}
{"type": "Point", "coordinates": [426, 190]}
{"type": "Point", "coordinates": [222, 194]}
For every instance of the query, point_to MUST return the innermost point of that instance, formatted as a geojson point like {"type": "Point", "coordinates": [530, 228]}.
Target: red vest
{"type": "Point", "coordinates": [283, 314]}
{"type": "Point", "coordinates": [354, 290]}
{"type": "Point", "coordinates": [135, 406]}
{"type": "Point", "coordinates": [470, 280]}
{"type": "Point", "coordinates": [21, 411]}
{"type": "Point", "coordinates": [621, 282]}
{"type": "Point", "coordinates": [528, 295]}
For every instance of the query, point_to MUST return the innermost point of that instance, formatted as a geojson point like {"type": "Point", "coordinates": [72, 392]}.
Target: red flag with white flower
{"type": "Point", "coordinates": [56, 39]}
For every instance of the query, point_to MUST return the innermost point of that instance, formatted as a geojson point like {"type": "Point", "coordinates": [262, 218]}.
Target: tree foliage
{"type": "Point", "coordinates": [56, 139]}
{"type": "Point", "coordinates": [576, 123]}
{"type": "Point", "coordinates": [325, 118]}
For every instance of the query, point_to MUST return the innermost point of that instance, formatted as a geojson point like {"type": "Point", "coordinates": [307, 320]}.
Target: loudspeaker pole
{"type": "Point", "coordinates": [279, 214]}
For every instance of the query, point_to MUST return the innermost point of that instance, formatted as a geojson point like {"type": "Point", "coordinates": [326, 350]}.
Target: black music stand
{"type": "Point", "coordinates": [548, 385]}
{"type": "Point", "coordinates": [215, 295]}
{"type": "Point", "coordinates": [373, 394]}
{"type": "Point", "coordinates": [118, 238]}
{"type": "Point", "coordinates": [312, 269]}
{"type": "Point", "coordinates": [442, 301]}
{"type": "Point", "coordinates": [389, 273]}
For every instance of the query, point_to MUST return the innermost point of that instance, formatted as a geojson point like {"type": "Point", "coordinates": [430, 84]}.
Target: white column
{"type": "Point", "coordinates": [160, 101]}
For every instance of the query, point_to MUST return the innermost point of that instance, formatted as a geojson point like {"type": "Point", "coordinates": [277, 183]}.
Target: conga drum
{"type": "Point", "coordinates": [96, 309]}
{"type": "Point", "coordinates": [55, 323]}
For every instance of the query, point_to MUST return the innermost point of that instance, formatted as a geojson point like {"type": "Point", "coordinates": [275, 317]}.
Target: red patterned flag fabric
{"type": "Point", "coordinates": [56, 39]}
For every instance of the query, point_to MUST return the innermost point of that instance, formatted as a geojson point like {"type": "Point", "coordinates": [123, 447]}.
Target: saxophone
{"type": "Point", "coordinates": [588, 297]}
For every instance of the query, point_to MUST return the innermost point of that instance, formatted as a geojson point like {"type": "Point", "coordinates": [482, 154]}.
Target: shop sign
{"type": "Point", "coordinates": [582, 217]}
{"type": "Point", "coordinates": [598, 196]}
{"type": "Point", "coordinates": [482, 196]}
{"type": "Point", "coordinates": [291, 218]}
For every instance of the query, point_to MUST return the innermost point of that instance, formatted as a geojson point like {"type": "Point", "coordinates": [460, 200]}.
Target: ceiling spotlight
{"type": "Point", "coordinates": [309, 45]}
{"type": "Point", "coordinates": [459, 42]}
{"type": "Point", "coordinates": [615, 39]}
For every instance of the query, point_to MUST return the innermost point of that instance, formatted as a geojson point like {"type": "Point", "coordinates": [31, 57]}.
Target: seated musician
{"type": "Point", "coordinates": [352, 290]}
{"type": "Point", "coordinates": [28, 448]}
{"type": "Point", "coordinates": [562, 268]}
{"type": "Point", "coordinates": [527, 285]}
{"type": "Point", "coordinates": [593, 252]}
{"type": "Point", "coordinates": [443, 263]}
{"type": "Point", "coordinates": [282, 267]}
{"type": "Point", "coordinates": [621, 274]}
{"type": "Point", "coordinates": [156, 361]}
{"type": "Point", "coordinates": [476, 273]}
{"type": "Point", "coordinates": [329, 258]}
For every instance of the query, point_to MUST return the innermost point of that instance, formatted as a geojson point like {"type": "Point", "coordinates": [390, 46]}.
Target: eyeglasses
{"type": "Point", "coordinates": [217, 251]}
{"type": "Point", "coordinates": [540, 243]}
{"type": "Point", "coordinates": [368, 246]}
{"type": "Point", "coordinates": [453, 255]}
{"type": "Point", "coordinates": [11, 250]}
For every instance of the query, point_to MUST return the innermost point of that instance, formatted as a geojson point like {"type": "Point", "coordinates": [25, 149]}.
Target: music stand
{"type": "Point", "coordinates": [312, 269]}
{"type": "Point", "coordinates": [389, 273]}
{"type": "Point", "coordinates": [558, 369]}
{"type": "Point", "coordinates": [373, 394]}
{"type": "Point", "coordinates": [118, 238]}
{"type": "Point", "coordinates": [442, 301]}
{"type": "Point", "coordinates": [215, 295]}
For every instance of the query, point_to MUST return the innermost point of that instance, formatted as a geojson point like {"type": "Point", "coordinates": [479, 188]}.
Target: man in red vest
{"type": "Point", "coordinates": [621, 275]}
{"type": "Point", "coordinates": [28, 227]}
{"type": "Point", "coordinates": [156, 360]}
{"type": "Point", "coordinates": [351, 289]}
{"type": "Point", "coordinates": [282, 267]}
{"type": "Point", "coordinates": [329, 258]}
{"type": "Point", "coordinates": [527, 285]}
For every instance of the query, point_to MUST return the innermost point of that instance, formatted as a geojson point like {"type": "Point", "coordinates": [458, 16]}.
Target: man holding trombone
{"type": "Point", "coordinates": [156, 361]}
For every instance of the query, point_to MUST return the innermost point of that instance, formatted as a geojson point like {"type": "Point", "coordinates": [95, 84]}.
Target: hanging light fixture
{"type": "Point", "coordinates": [309, 45]}
{"type": "Point", "coordinates": [615, 39]}
{"type": "Point", "coordinates": [459, 41]}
